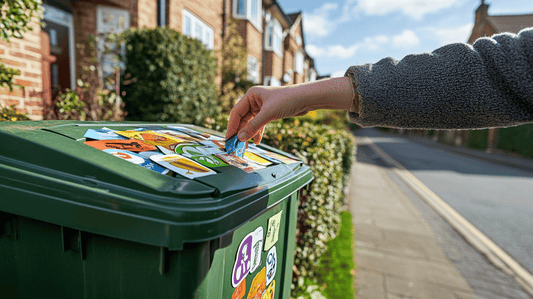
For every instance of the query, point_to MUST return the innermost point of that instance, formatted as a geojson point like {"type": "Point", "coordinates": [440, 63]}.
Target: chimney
{"type": "Point", "coordinates": [482, 11]}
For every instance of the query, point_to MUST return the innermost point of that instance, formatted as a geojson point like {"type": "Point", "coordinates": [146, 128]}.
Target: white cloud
{"type": "Point", "coordinates": [445, 36]}
{"type": "Point", "coordinates": [413, 8]}
{"type": "Point", "coordinates": [338, 74]}
{"type": "Point", "coordinates": [339, 51]}
{"type": "Point", "coordinates": [318, 22]}
{"type": "Point", "coordinates": [405, 40]}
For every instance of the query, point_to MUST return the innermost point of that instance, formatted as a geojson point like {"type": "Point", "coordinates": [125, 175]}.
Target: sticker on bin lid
{"type": "Point", "coordinates": [150, 137]}
{"type": "Point", "coordinates": [240, 291]}
{"type": "Point", "coordinates": [240, 163]}
{"type": "Point", "coordinates": [271, 262]}
{"type": "Point", "coordinates": [183, 166]}
{"type": "Point", "coordinates": [248, 256]}
{"type": "Point", "coordinates": [271, 156]}
{"type": "Point", "coordinates": [137, 159]}
{"type": "Point", "coordinates": [128, 145]}
{"type": "Point", "coordinates": [256, 158]}
{"type": "Point", "coordinates": [213, 143]}
{"type": "Point", "coordinates": [195, 149]}
{"type": "Point", "coordinates": [234, 146]}
{"type": "Point", "coordinates": [102, 134]}
{"type": "Point", "coordinates": [272, 233]}
{"type": "Point", "coordinates": [179, 135]}
{"type": "Point", "coordinates": [258, 285]}
{"type": "Point", "coordinates": [209, 161]}
{"type": "Point", "coordinates": [269, 292]}
{"type": "Point", "coordinates": [191, 132]}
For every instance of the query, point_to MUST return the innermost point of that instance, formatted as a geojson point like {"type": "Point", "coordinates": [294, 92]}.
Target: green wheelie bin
{"type": "Point", "coordinates": [139, 210]}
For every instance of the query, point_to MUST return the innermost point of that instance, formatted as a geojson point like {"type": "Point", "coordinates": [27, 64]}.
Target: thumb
{"type": "Point", "coordinates": [251, 129]}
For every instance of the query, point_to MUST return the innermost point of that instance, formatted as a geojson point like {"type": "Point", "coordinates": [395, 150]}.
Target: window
{"type": "Point", "coordinates": [298, 40]}
{"type": "Point", "coordinates": [253, 69]}
{"type": "Point", "coordinates": [312, 75]}
{"type": "Point", "coordinates": [274, 37]}
{"type": "Point", "coordinates": [198, 29]}
{"type": "Point", "coordinates": [53, 37]}
{"type": "Point", "coordinates": [299, 63]}
{"type": "Point", "coordinates": [272, 81]}
{"type": "Point", "coordinates": [161, 12]}
{"type": "Point", "coordinates": [248, 9]}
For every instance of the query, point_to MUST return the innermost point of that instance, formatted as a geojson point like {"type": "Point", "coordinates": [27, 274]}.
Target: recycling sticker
{"type": "Point", "coordinates": [248, 256]}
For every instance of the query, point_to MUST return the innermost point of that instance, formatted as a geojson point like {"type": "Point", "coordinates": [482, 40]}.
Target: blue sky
{"type": "Point", "coordinates": [339, 34]}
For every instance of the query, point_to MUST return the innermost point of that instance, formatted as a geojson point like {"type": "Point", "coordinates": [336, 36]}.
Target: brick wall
{"type": "Point", "coordinates": [147, 13]}
{"type": "Point", "coordinates": [273, 65]}
{"type": "Point", "coordinates": [24, 55]}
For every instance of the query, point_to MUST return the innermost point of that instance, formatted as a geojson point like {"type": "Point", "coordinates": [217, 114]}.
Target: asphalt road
{"type": "Point", "coordinates": [495, 198]}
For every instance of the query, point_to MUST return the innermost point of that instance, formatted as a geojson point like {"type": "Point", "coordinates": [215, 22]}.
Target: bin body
{"type": "Point", "coordinates": [78, 223]}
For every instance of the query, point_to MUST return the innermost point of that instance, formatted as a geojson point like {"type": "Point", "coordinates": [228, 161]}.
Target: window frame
{"type": "Point", "coordinates": [253, 74]}
{"type": "Point", "coordinates": [272, 81]}
{"type": "Point", "coordinates": [299, 63]}
{"type": "Point", "coordinates": [207, 31]}
{"type": "Point", "coordinates": [275, 28]}
{"type": "Point", "coordinates": [248, 12]}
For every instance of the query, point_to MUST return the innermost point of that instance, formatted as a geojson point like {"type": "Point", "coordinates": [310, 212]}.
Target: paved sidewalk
{"type": "Point", "coordinates": [396, 252]}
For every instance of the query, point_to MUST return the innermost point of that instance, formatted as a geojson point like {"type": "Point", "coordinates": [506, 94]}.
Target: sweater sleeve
{"type": "Point", "coordinates": [458, 86]}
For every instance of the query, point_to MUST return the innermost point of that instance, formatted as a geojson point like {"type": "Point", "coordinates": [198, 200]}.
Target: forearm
{"type": "Point", "coordinates": [334, 93]}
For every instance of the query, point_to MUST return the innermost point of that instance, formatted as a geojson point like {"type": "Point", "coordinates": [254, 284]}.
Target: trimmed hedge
{"type": "Point", "coordinates": [168, 77]}
{"type": "Point", "coordinates": [330, 153]}
{"type": "Point", "coordinates": [518, 139]}
{"type": "Point", "coordinates": [478, 139]}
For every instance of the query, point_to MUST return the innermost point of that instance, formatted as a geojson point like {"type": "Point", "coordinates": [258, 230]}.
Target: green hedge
{"type": "Point", "coordinates": [518, 139]}
{"type": "Point", "coordinates": [330, 153]}
{"type": "Point", "coordinates": [478, 139]}
{"type": "Point", "coordinates": [168, 77]}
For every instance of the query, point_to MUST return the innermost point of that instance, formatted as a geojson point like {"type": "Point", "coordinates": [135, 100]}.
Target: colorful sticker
{"type": "Point", "coordinates": [272, 233]}
{"type": "Point", "coordinates": [209, 161]}
{"type": "Point", "coordinates": [258, 285]}
{"type": "Point", "coordinates": [137, 159]}
{"type": "Point", "coordinates": [240, 291]}
{"type": "Point", "coordinates": [102, 134]}
{"type": "Point", "coordinates": [168, 150]}
{"type": "Point", "coordinates": [179, 135]}
{"type": "Point", "coordinates": [256, 158]}
{"type": "Point", "coordinates": [248, 257]}
{"type": "Point", "coordinates": [182, 165]}
{"type": "Point", "coordinates": [152, 138]}
{"type": "Point", "coordinates": [269, 292]}
{"type": "Point", "coordinates": [214, 143]}
{"type": "Point", "coordinates": [234, 146]}
{"type": "Point", "coordinates": [271, 262]}
{"type": "Point", "coordinates": [240, 163]}
{"type": "Point", "coordinates": [191, 132]}
{"type": "Point", "coordinates": [273, 157]}
{"type": "Point", "coordinates": [195, 149]}
{"type": "Point", "coordinates": [128, 145]}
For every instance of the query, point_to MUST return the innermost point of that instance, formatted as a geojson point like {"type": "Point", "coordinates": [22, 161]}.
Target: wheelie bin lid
{"type": "Point", "coordinates": [58, 172]}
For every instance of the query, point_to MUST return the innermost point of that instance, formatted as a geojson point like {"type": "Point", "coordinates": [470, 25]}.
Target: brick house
{"type": "Point", "coordinates": [488, 25]}
{"type": "Point", "coordinates": [49, 61]}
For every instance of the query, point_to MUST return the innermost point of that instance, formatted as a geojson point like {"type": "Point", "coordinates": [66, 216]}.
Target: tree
{"type": "Point", "coordinates": [234, 69]}
{"type": "Point", "coordinates": [16, 16]}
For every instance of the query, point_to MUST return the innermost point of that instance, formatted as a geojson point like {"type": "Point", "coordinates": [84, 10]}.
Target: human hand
{"type": "Point", "coordinates": [261, 105]}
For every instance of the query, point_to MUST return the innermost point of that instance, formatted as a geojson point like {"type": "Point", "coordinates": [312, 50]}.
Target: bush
{"type": "Point", "coordinates": [478, 139]}
{"type": "Point", "coordinates": [518, 139]}
{"type": "Point", "coordinates": [11, 114]}
{"type": "Point", "coordinates": [168, 77]}
{"type": "Point", "coordinates": [330, 154]}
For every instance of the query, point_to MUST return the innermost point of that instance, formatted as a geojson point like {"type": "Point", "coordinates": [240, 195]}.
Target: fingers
{"type": "Point", "coordinates": [253, 127]}
{"type": "Point", "coordinates": [259, 136]}
{"type": "Point", "coordinates": [241, 109]}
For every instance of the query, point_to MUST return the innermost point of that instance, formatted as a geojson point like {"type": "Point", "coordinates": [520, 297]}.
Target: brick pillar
{"type": "Point", "coordinates": [47, 59]}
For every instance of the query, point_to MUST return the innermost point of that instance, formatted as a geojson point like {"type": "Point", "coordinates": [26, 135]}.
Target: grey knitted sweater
{"type": "Point", "coordinates": [458, 86]}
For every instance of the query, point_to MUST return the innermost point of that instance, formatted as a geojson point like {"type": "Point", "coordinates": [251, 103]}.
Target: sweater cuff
{"type": "Point", "coordinates": [356, 100]}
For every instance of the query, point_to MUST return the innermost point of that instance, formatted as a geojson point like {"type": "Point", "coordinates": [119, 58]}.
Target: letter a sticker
{"type": "Point", "coordinates": [248, 256]}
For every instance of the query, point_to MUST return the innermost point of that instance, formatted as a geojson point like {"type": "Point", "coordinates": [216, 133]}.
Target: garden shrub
{"type": "Point", "coordinates": [478, 139]}
{"type": "Point", "coordinates": [168, 77]}
{"type": "Point", "coordinates": [518, 139]}
{"type": "Point", "coordinates": [10, 113]}
{"type": "Point", "coordinates": [330, 153]}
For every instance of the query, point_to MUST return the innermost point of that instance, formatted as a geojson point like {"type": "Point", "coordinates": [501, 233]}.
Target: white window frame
{"type": "Point", "coordinates": [207, 32]}
{"type": "Point", "coordinates": [248, 12]}
{"type": "Point", "coordinates": [298, 39]}
{"type": "Point", "coordinates": [312, 75]}
{"type": "Point", "coordinates": [299, 62]}
{"type": "Point", "coordinates": [272, 81]}
{"type": "Point", "coordinates": [253, 69]}
{"type": "Point", "coordinates": [274, 28]}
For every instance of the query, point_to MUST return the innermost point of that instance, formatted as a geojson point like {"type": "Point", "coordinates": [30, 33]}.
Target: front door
{"type": "Point", "coordinates": [59, 48]}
